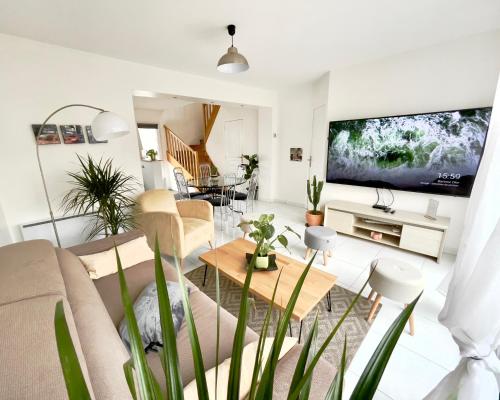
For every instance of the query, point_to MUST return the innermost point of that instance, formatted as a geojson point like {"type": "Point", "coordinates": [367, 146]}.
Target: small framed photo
{"type": "Point", "coordinates": [49, 135]}
{"type": "Point", "coordinates": [296, 154]}
{"type": "Point", "coordinates": [72, 134]}
{"type": "Point", "coordinates": [90, 136]}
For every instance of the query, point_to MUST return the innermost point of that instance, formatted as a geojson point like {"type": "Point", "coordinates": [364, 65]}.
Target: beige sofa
{"type": "Point", "coordinates": [34, 276]}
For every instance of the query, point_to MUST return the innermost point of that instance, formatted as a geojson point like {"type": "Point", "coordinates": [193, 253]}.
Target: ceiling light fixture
{"type": "Point", "coordinates": [232, 62]}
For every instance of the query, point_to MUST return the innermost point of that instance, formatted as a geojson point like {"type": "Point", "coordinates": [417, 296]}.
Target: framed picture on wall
{"type": "Point", "coordinates": [50, 134]}
{"type": "Point", "coordinates": [72, 134]}
{"type": "Point", "coordinates": [296, 154]}
{"type": "Point", "coordinates": [90, 136]}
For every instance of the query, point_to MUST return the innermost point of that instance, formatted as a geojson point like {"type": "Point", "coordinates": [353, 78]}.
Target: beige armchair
{"type": "Point", "coordinates": [183, 225]}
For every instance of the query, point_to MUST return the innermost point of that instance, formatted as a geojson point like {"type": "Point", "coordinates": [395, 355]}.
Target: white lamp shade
{"type": "Point", "coordinates": [232, 62]}
{"type": "Point", "coordinates": [107, 125]}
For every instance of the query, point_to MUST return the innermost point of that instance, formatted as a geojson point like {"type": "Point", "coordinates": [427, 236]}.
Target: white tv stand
{"type": "Point", "coordinates": [403, 229]}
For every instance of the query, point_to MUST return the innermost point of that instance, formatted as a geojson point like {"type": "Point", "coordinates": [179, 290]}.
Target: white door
{"type": "Point", "coordinates": [319, 144]}
{"type": "Point", "coordinates": [232, 145]}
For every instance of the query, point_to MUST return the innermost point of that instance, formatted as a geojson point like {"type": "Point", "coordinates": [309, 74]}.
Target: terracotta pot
{"type": "Point", "coordinates": [314, 219]}
{"type": "Point", "coordinates": [262, 262]}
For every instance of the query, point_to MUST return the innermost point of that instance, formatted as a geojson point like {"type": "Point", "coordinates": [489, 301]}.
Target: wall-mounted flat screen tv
{"type": "Point", "coordinates": [435, 153]}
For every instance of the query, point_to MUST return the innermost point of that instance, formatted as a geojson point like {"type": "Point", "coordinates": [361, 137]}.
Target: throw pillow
{"type": "Point", "coordinates": [104, 263]}
{"type": "Point", "coordinates": [247, 364]}
{"type": "Point", "coordinates": [147, 314]}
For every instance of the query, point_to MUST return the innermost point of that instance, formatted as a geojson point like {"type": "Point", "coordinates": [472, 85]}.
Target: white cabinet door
{"type": "Point", "coordinates": [340, 221]}
{"type": "Point", "coordinates": [421, 240]}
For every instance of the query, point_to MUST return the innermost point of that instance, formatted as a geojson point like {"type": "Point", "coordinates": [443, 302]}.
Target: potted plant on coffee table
{"type": "Point", "coordinates": [314, 217]}
{"type": "Point", "coordinates": [263, 230]}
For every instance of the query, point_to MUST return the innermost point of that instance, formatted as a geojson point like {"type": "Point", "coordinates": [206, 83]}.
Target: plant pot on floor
{"type": "Point", "coordinates": [314, 218]}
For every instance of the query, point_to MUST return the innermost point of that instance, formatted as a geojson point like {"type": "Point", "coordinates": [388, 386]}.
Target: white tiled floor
{"type": "Point", "coordinates": [418, 362]}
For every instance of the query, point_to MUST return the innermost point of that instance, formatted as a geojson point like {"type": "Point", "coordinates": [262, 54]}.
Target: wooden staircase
{"type": "Point", "coordinates": [210, 112]}
{"type": "Point", "coordinates": [187, 157]}
{"type": "Point", "coordinates": [179, 154]}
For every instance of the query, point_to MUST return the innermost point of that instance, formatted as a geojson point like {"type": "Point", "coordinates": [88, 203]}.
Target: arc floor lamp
{"type": "Point", "coordinates": [106, 125]}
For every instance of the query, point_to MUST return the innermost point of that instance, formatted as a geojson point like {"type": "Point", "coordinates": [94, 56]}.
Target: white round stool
{"type": "Point", "coordinates": [396, 280]}
{"type": "Point", "coordinates": [320, 238]}
{"type": "Point", "coordinates": [244, 223]}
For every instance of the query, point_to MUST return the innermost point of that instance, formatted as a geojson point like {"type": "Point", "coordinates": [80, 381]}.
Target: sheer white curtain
{"type": "Point", "coordinates": [472, 308]}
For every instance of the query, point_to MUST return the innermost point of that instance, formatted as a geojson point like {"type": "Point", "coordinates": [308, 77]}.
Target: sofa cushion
{"type": "Point", "coordinates": [323, 375]}
{"type": "Point", "coordinates": [137, 278]}
{"type": "Point", "coordinates": [29, 269]}
{"type": "Point", "coordinates": [96, 246]}
{"type": "Point", "coordinates": [29, 360]}
{"type": "Point", "coordinates": [101, 344]}
{"type": "Point", "coordinates": [205, 316]}
{"type": "Point", "coordinates": [147, 315]}
{"type": "Point", "coordinates": [105, 262]}
{"type": "Point", "coordinates": [247, 365]}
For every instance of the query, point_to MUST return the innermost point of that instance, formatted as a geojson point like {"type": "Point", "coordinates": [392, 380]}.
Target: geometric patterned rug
{"type": "Point", "coordinates": [354, 326]}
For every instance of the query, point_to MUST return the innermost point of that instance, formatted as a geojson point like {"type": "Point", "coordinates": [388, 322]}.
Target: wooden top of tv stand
{"type": "Point", "coordinates": [399, 217]}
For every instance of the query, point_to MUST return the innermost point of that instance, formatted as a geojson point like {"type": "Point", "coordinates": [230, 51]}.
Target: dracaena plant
{"type": "Point", "coordinates": [263, 231]}
{"type": "Point", "coordinates": [105, 191]}
{"type": "Point", "coordinates": [143, 384]}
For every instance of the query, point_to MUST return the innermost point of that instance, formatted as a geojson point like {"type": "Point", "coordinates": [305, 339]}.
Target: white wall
{"type": "Point", "coordinates": [296, 113]}
{"type": "Point", "coordinates": [147, 116]}
{"type": "Point", "coordinates": [454, 75]}
{"type": "Point", "coordinates": [249, 136]}
{"type": "Point", "coordinates": [37, 78]}
{"type": "Point", "coordinates": [185, 121]}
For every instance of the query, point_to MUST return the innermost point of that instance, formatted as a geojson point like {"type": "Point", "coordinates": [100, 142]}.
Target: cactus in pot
{"type": "Point", "coordinates": [314, 188]}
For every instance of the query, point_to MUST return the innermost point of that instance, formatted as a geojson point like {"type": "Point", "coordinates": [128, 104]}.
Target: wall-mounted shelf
{"type": "Point", "coordinates": [403, 229]}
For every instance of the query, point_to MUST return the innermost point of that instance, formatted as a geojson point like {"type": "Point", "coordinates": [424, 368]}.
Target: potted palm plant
{"type": "Point", "coordinates": [314, 217]}
{"type": "Point", "coordinates": [100, 189]}
{"type": "Point", "coordinates": [263, 230]}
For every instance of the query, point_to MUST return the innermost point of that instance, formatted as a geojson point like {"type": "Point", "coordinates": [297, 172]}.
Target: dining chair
{"type": "Point", "coordinates": [249, 195]}
{"type": "Point", "coordinates": [221, 199]}
{"type": "Point", "coordinates": [205, 170]}
{"type": "Point", "coordinates": [183, 188]}
{"type": "Point", "coordinates": [240, 171]}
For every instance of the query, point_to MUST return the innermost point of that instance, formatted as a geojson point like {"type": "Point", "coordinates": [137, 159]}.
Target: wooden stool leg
{"type": "Point", "coordinates": [325, 257]}
{"type": "Point", "coordinates": [412, 323]}
{"type": "Point", "coordinates": [308, 253]}
{"type": "Point", "coordinates": [244, 235]}
{"type": "Point", "coordinates": [330, 253]}
{"type": "Point", "coordinates": [370, 296]}
{"type": "Point", "coordinates": [374, 307]}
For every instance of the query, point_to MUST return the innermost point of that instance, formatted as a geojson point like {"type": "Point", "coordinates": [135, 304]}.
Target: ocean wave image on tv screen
{"type": "Point", "coordinates": [435, 153]}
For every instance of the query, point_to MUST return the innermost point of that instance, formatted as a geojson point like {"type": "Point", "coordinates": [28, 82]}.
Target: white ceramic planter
{"type": "Point", "coordinates": [262, 262]}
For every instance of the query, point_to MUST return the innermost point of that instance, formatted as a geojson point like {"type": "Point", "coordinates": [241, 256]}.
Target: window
{"type": "Point", "coordinates": [148, 135]}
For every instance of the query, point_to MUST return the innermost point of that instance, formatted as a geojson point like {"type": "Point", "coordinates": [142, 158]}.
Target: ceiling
{"type": "Point", "coordinates": [159, 102]}
{"type": "Point", "coordinates": [285, 41]}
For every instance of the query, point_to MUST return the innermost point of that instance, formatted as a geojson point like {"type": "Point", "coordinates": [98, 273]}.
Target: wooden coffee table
{"type": "Point", "coordinates": [231, 261]}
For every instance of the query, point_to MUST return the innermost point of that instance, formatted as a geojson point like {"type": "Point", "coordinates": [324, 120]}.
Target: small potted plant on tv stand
{"type": "Point", "coordinates": [314, 217]}
{"type": "Point", "coordinates": [263, 229]}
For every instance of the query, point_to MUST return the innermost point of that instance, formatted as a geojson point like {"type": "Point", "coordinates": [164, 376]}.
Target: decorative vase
{"type": "Point", "coordinates": [262, 262]}
{"type": "Point", "coordinates": [314, 219]}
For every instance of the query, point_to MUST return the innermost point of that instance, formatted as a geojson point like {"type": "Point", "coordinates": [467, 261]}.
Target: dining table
{"type": "Point", "coordinates": [213, 185]}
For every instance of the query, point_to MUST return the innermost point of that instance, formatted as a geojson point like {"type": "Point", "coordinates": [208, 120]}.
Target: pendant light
{"type": "Point", "coordinates": [232, 62]}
